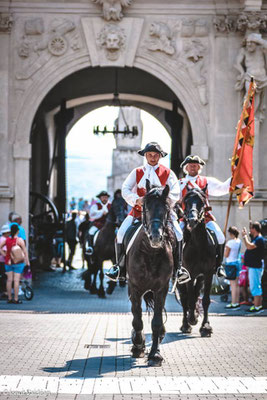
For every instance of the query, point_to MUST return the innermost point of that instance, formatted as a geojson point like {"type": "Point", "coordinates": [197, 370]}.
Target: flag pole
{"type": "Point", "coordinates": [228, 213]}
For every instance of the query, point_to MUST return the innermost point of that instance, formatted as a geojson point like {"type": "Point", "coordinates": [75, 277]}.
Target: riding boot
{"type": "Point", "coordinates": [182, 275]}
{"type": "Point", "coordinates": [118, 271]}
{"type": "Point", "coordinates": [90, 246]}
{"type": "Point", "coordinates": [220, 271]}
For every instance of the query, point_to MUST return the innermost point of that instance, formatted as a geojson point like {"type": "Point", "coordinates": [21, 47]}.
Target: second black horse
{"type": "Point", "coordinates": [104, 248]}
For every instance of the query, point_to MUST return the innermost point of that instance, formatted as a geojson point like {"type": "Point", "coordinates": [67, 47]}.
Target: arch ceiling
{"type": "Point", "coordinates": [97, 81]}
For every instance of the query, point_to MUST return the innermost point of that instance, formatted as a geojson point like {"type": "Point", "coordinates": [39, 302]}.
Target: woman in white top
{"type": "Point", "coordinates": [231, 253]}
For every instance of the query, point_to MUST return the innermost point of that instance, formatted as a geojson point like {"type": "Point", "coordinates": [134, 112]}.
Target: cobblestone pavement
{"type": "Point", "coordinates": [68, 344]}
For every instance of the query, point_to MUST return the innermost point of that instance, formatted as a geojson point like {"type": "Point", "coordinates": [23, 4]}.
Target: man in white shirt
{"type": "Point", "coordinates": [98, 215]}
{"type": "Point", "coordinates": [134, 190]}
{"type": "Point", "coordinates": [192, 166]}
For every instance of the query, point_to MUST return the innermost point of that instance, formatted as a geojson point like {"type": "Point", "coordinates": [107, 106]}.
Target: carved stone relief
{"type": "Point", "coordinates": [224, 24]}
{"type": "Point", "coordinates": [186, 42]}
{"type": "Point", "coordinates": [194, 27]}
{"type": "Point", "coordinates": [38, 41]}
{"type": "Point", "coordinates": [194, 51]}
{"type": "Point", "coordinates": [161, 38]}
{"type": "Point", "coordinates": [110, 43]}
{"type": "Point", "coordinates": [112, 9]}
{"type": "Point", "coordinates": [112, 39]}
{"type": "Point", "coordinates": [34, 26]}
{"type": "Point", "coordinates": [242, 23]}
{"type": "Point", "coordinates": [6, 22]}
{"type": "Point", "coordinates": [252, 61]}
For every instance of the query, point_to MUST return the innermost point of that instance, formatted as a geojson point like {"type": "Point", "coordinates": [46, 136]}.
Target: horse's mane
{"type": "Point", "coordinates": [195, 192]}
{"type": "Point", "coordinates": [156, 192]}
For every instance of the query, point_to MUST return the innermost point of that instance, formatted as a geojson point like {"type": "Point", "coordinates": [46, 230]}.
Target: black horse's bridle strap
{"type": "Point", "coordinates": [146, 225]}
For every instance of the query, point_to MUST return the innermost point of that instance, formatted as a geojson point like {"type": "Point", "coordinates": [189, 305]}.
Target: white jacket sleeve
{"type": "Point", "coordinates": [174, 194]}
{"type": "Point", "coordinates": [95, 213]}
{"type": "Point", "coordinates": [218, 188]}
{"type": "Point", "coordinates": [129, 189]}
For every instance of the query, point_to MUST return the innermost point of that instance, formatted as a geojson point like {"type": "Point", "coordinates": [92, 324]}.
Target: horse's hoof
{"type": "Point", "coordinates": [101, 294]}
{"type": "Point", "coordinates": [206, 331]}
{"type": "Point", "coordinates": [93, 290]}
{"type": "Point", "coordinates": [111, 287]}
{"type": "Point", "coordinates": [192, 318]}
{"type": "Point", "coordinates": [137, 353]}
{"type": "Point", "coordinates": [193, 321]}
{"type": "Point", "coordinates": [87, 286]}
{"type": "Point", "coordinates": [186, 329]}
{"type": "Point", "coordinates": [155, 360]}
{"type": "Point", "coordinates": [122, 283]}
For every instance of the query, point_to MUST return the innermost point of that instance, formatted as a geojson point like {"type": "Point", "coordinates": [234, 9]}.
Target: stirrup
{"type": "Point", "coordinates": [89, 250]}
{"type": "Point", "coordinates": [220, 272]}
{"type": "Point", "coordinates": [115, 274]}
{"type": "Point", "coordinates": [183, 279]}
{"type": "Point", "coordinates": [184, 276]}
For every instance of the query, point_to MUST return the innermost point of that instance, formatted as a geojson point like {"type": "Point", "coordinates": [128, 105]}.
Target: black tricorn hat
{"type": "Point", "coordinates": [192, 159]}
{"type": "Point", "coordinates": [103, 193]}
{"type": "Point", "coordinates": [152, 146]}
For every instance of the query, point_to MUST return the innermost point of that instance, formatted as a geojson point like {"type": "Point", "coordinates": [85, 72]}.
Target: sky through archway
{"type": "Point", "coordinates": [89, 157]}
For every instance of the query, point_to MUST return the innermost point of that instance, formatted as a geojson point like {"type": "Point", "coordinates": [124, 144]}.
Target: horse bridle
{"type": "Point", "coordinates": [148, 225]}
{"type": "Point", "coordinates": [200, 215]}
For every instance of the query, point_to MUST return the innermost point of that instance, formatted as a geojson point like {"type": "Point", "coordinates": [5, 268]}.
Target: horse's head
{"type": "Point", "coordinates": [118, 211]}
{"type": "Point", "coordinates": [194, 207]}
{"type": "Point", "coordinates": [155, 215]}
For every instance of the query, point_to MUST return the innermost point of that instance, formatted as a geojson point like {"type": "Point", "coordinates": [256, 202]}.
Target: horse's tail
{"type": "Point", "coordinates": [149, 300]}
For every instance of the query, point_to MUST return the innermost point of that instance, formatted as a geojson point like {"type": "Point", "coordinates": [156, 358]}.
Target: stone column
{"type": "Point", "coordinates": [22, 155]}
{"type": "Point", "coordinates": [125, 157]}
{"type": "Point", "coordinates": [5, 192]}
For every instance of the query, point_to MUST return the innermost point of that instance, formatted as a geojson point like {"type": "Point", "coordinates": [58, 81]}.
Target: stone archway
{"type": "Point", "coordinates": [39, 89]}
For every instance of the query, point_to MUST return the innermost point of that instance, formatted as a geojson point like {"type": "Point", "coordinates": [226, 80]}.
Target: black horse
{"type": "Point", "coordinates": [149, 264]}
{"type": "Point", "coordinates": [104, 247]}
{"type": "Point", "coordinates": [199, 259]}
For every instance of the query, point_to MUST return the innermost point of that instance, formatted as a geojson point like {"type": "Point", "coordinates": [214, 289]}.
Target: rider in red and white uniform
{"type": "Point", "coordinates": [98, 214]}
{"type": "Point", "coordinates": [192, 166]}
{"type": "Point", "coordinates": [134, 190]}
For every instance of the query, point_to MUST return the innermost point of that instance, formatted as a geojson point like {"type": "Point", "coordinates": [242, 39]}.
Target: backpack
{"type": "Point", "coordinates": [16, 254]}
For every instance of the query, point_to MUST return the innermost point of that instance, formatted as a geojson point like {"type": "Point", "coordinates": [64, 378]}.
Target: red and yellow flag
{"type": "Point", "coordinates": [242, 158]}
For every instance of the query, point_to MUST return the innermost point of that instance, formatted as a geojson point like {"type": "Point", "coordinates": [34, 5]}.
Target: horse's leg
{"type": "Point", "coordinates": [155, 358]}
{"type": "Point", "coordinates": [93, 289]}
{"type": "Point", "coordinates": [101, 290]}
{"type": "Point", "coordinates": [206, 329]}
{"type": "Point", "coordinates": [193, 314]}
{"type": "Point", "coordinates": [111, 284]}
{"type": "Point", "coordinates": [87, 280]}
{"type": "Point", "coordinates": [138, 338]}
{"type": "Point", "coordinates": [185, 328]}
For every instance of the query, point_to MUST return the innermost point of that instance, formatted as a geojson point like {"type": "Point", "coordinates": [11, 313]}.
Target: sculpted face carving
{"type": "Point", "coordinates": [112, 39]}
{"type": "Point", "coordinates": [112, 9]}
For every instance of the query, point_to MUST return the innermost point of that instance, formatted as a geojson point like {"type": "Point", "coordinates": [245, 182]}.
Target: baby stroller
{"type": "Point", "coordinates": [26, 283]}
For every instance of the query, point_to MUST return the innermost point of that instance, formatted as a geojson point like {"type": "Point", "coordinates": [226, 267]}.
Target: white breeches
{"type": "Point", "coordinates": [213, 227]}
{"type": "Point", "coordinates": [218, 232]}
{"type": "Point", "coordinates": [129, 219]}
{"type": "Point", "coordinates": [123, 228]}
{"type": "Point", "coordinates": [93, 230]}
{"type": "Point", "coordinates": [176, 227]}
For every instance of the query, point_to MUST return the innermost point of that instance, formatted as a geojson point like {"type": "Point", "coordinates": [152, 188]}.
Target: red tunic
{"type": "Point", "coordinates": [163, 174]}
{"type": "Point", "coordinates": [100, 222]}
{"type": "Point", "coordinates": [201, 182]}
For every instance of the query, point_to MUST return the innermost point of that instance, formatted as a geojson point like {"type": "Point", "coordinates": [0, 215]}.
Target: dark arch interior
{"type": "Point", "coordinates": [87, 82]}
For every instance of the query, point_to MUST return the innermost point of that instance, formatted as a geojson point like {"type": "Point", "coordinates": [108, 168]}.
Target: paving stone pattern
{"type": "Point", "coordinates": [71, 340]}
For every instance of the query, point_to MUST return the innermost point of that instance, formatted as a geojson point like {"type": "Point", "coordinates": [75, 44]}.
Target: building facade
{"type": "Point", "coordinates": [185, 62]}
